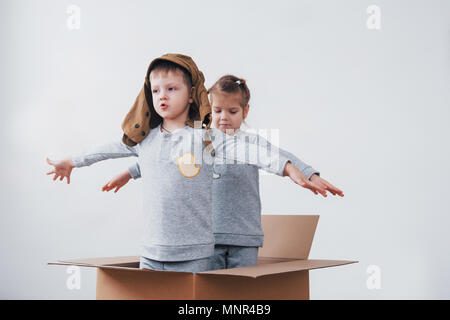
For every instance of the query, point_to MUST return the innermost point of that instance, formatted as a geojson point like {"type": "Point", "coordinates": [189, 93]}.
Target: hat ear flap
{"type": "Point", "coordinates": [207, 120]}
{"type": "Point", "coordinates": [136, 125]}
{"type": "Point", "coordinates": [205, 107]}
{"type": "Point", "coordinates": [128, 141]}
{"type": "Point", "coordinates": [154, 119]}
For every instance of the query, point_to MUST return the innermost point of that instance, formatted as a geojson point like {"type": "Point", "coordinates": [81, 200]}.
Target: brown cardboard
{"type": "Point", "coordinates": [282, 271]}
{"type": "Point", "coordinates": [288, 236]}
{"type": "Point", "coordinates": [129, 284]}
{"type": "Point", "coordinates": [286, 286]}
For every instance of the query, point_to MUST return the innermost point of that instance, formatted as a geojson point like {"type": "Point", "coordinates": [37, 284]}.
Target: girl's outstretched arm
{"type": "Point", "coordinates": [117, 182]}
{"type": "Point", "coordinates": [135, 171]}
{"type": "Point", "coordinates": [122, 179]}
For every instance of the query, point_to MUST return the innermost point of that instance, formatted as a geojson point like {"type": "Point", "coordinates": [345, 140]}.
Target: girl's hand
{"type": "Point", "coordinates": [299, 178]}
{"type": "Point", "coordinates": [117, 182]}
{"type": "Point", "coordinates": [62, 168]}
{"type": "Point", "coordinates": [325, 185]}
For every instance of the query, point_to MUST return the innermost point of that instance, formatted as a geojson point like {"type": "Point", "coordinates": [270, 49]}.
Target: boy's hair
{"type": "Point", "coordinates": [232, 84]}
{"type": "Point", "coordinates": [166, 66]}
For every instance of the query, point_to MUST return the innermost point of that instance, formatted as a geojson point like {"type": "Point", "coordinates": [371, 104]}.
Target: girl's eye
{"type": "Point", "coordinates": [154, 91]}
{"type": "Point", "coordinates": [233, 112]}
{"type": "Point", "coordinates": [171, 89]}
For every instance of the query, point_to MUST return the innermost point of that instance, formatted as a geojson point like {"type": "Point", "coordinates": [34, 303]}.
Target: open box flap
{"type": "Point", "coordinates": [281, 267]}
{"type": "Point", "coordinates": [125, 261]}
{"type": "Point", "coordinates": [288, 236]}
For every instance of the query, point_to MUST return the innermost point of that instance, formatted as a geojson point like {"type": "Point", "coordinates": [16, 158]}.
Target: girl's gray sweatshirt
{"type": "Point", "coordinates": [236, 203]}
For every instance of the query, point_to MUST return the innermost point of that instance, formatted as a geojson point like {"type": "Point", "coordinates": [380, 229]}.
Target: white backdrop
{"type": "Point", "coordinates": [367, 107]}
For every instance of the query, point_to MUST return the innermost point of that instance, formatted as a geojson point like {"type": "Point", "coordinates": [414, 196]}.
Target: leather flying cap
{"type": "Point", "coordinates": [142, 116]}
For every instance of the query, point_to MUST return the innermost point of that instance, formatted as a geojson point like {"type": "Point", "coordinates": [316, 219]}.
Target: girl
{"type": "Point", "coordinates": [237, 215]}
{"type": "Point", "coordinates": [236, 204]}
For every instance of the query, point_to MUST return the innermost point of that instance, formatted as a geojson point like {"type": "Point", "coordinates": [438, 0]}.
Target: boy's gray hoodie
{"type": "Point", "coordinates": [177, 200]}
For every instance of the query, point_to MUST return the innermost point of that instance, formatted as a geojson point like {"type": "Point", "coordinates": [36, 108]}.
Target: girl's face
{"type": "Point", "coordinates": [227, 113]}
{"type": "Point", "coordinates": [171, 96]}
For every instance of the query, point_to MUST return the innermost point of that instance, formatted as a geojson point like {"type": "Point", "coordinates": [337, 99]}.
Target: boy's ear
{"type": "Point", "coordinates": [246, 109]}
{"type": "Point", "coordinates": [191, 100]}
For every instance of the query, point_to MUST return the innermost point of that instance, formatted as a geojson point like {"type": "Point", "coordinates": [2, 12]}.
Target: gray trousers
{"type": "Point", "coordinates": [226, 257]}
{"type": "Point", "coordinates": [194, 266]}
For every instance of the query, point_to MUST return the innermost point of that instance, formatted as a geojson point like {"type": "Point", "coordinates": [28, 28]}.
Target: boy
{"type": "Point", "coordinates": [175, 167]}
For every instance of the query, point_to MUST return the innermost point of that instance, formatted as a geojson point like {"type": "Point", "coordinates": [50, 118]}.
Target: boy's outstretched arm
{"type": "Point", "coordinates": [252, 149]}
{"type": "Point", "coordinates": [260, 152]}
{"type": "Point", "coordinates": [122, 179]}
{"type": "Point", "coordinates": [326, 185]}
{"type": "Point", "coordinates": [299, 178]}
{"type": "Point", "coordinates": [310, 173]}
{"type": "Point", "coordinates": [62, 168]}
{"type": "Point", "coordinates": [315, 183]}
{"type": "Point", "coordinates": [117, 149]}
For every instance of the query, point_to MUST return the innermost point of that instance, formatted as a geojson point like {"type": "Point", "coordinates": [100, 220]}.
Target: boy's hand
{"type": "Point", "coordinates": [117, 182]}
{"type": "Point", "coordinates": [299, 178]}
{"type": "Point", "coordinates": [326, 185]}
{"type": "Point", "coordinates": [62, 169]}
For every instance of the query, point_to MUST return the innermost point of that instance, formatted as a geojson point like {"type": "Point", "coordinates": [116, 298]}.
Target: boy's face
{"type": "Point", "coordinates": [171, 96]}
{"type": "Point", "coordinates": [227, 112]}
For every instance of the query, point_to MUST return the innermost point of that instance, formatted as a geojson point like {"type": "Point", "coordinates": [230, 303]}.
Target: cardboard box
{"type": "Point", "coordinates": [282, 271]}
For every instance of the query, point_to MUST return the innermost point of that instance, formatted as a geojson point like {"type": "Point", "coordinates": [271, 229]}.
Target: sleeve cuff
{"type": "Point", "coordinates": [283, 161]}
{"type": "Point", "coordinates": [78, 161]}
{"type": "Point", "coordinates": [309, 172]}
{"type": "Point", "coordinates": [134, 173]}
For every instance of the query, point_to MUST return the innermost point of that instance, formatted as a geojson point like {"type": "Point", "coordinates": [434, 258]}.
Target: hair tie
{"type": "Point", "coordinates": [240, 81]}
